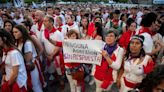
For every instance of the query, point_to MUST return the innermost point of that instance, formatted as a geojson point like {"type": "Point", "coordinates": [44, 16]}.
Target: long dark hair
{"type": "Point", "coordinates": [81, 21]}
{"type": "Point", "coordinates": [99, 29]}
{"type": "Point", "coordinates": [142, 51]}
{"type": "Point", "coordinates": [153, 79]}
{"type": "Point", "coordinates": [7, 38]}
{"type": "Point", "coordinates": [11, 22]}
{"type": "Point", "coordinates": [24, 31]}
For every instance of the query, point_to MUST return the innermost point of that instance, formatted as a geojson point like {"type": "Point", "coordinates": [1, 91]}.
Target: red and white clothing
{"type": "Point", "coordinates": [125, 38]}
{"type": "Point", "coordinates": [148, 41]}
{"type": "Point", "coordinates": [135, 70]}
{"type": "Point", "coordinates": [35, 75]}
{"type": "Point", "coordinates": [63, 29]}
{"type": "Point", "coordinates": [14, 58]}
{"type": "Point", "coordinates": [49, 48]}
{"type": "Point", "coordinates": [134, 17]}
{"type": "Point", "coordinates": [38, 29]}
{"type": "Point", "coordinates": [114, 22]}
{"type": "Point", "coordinates": [73, 26]}
{"type": "Point", "coordinates": [75, 84]}
{"type": "Point", "coordinates": [62, 16]}
{"type": "Point", "coordinates": [105, 75]}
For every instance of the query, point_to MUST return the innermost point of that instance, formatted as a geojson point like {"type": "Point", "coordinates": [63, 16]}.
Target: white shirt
{"type": "Point", "coordinates": [14, 58]}
{"type": "Point", "coordinates": [74, 27]}
{"type": "Point", "coordinates": [148, 43]}
{"type": "Point", "coordinates": [28, 47]}
{"type": "Point", "coordinates": [49, 47]}
{"type": "Point", "coordinates": [134, 71]}
{"type": "Point", "coordinates": [34, 29]}
{"type": "Point", "coordinates": [18, 21]}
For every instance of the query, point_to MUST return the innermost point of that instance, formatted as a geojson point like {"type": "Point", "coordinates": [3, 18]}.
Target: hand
{"type": "Point", "coordinates": [160, 43]}
{"type": "Point", "coordinates": [118, 83]}
{"type": "Point", "coordinates": [158, 47]}
{"type": "Point", "coordinates": [105, 53]}
{"type": "Point", "coordinates": [47, 34]}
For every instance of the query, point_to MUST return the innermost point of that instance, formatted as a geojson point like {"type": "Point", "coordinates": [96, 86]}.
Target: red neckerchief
{"type": "Point", "coordinates": [115, 21]}
{"type": "Point", "coordinates": [7, 50]}
{"type": "Point", "coordinates": [134, 17]}
{"type": "Point", "coordinates": [32, 33]}
{"type": "Point", "coordinates": [53, 30]}
{"type": "Point", "coordinates": [70, 24]}
{"type": "Point", "coordinates": [57, 14]}
{"type": "Point", "coordinates": [40, 25]}
{"type": "Point", "coordinates": [146, 30]}
{"type": "Point", "coordinates": [60, 27]}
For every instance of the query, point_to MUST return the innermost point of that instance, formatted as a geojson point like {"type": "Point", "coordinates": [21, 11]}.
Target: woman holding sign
{"type": "Point", "coordinates": [74, 71]}
{"type": "Point", "coordinates": [105, 74]}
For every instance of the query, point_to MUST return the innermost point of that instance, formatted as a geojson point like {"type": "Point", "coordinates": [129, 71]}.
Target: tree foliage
{"type": "Point", "coordinates": [30, 1]}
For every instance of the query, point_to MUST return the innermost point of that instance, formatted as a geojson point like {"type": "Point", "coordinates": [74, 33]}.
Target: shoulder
{"type": "Point", "coordinates": [15, 54]}
{"type": "Point", "coordinates": [28, 42]}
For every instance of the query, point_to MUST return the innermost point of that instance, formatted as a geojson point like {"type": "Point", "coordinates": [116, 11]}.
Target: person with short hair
{"type": "Point", "coordinates": [112, 54]}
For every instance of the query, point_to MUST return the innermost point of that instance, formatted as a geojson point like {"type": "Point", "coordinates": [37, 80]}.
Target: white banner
{"type": "Point", "coordinates": [158, 1]}
{"type": "Point", "coordinates": [83, 51]}
{"type": "Point", "coordinates": [18, 3]}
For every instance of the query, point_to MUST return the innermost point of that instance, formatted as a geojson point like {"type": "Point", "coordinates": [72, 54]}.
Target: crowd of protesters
{"type": "Point", "coordinates": [32, 55]}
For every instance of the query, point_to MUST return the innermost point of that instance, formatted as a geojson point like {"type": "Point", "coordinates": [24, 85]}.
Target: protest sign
{"type": "Point", "coordinates": [83, 51]}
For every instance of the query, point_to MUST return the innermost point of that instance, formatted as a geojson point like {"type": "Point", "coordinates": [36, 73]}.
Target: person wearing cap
{"type": "Point", "coordinates": [136, 65]}
{"type": "Point", "coordinates": [112, 54]}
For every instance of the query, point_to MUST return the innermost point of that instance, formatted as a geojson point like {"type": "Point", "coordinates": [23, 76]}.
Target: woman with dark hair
{"type": "Point", "coordinates": [112, 54]}
{"type": "Point", "coordinates": [154, 81]}
{"type": "Point", "coordinates": [34, 38]}
{"type": "Point", "coordinates": [25, 44]}
{"type": "Point", "coordinates": [95, 31]}
{"type": "Point", "coordinates": [125, 37]}
{"type": "Point", "coordinates": [15, 77]}
{"type": "Point", "coordinates": [84, 27]}
{"type": "Point", "coordinates": [135, 66]}
{"type": "Point", "coordinates": [8, 25]}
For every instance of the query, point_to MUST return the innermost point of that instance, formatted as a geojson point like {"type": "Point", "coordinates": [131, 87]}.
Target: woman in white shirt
{"type": "Point", "coordinates": [15, 76]}
{"type": "Point", "coordinates": [136, 65]}
{"type": "Point", "coordinates": [25, 44]}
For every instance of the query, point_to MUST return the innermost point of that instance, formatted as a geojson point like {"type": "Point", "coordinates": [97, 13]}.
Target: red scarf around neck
{"type": "Point", "coordinates": [70, 24]}
{"type": "Point", "coordinates": [40, 25]}
{"type": "Point", "coordinates": [146, 30]}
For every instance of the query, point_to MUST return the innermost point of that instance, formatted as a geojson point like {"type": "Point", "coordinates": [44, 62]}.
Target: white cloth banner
{"type": "Point", "coordinates": [18, 3]}
{"type": "Point", "coordinates": [83, 51]}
